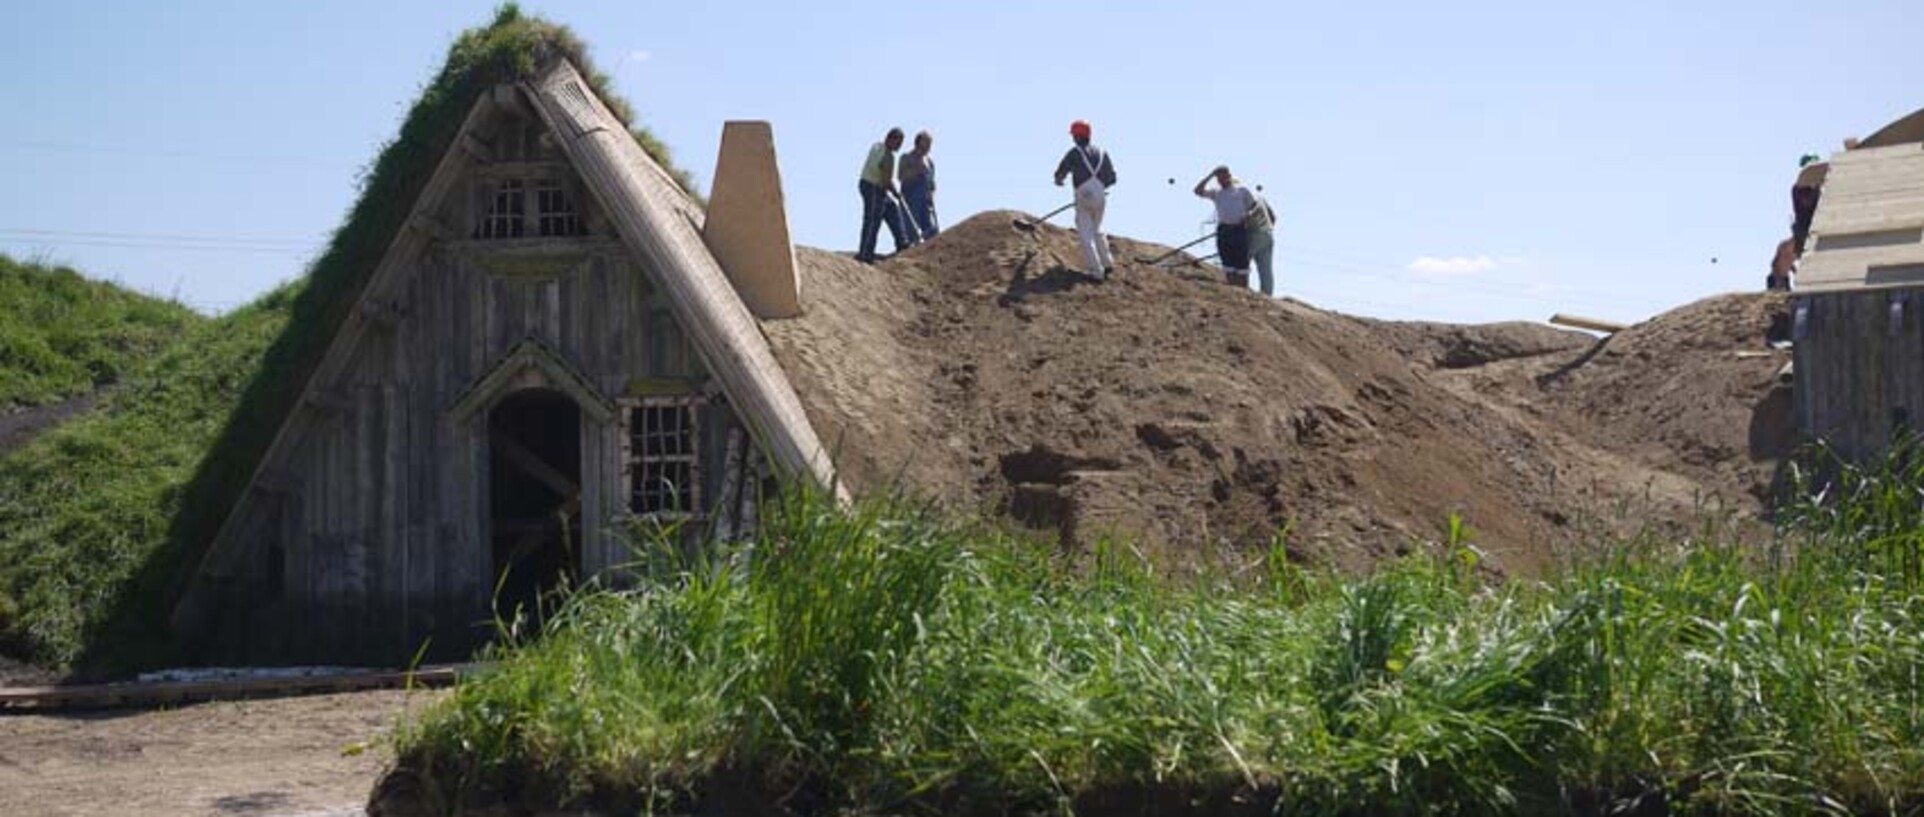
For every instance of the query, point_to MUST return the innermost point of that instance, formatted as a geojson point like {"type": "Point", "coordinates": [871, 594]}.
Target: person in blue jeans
{"type": "Point", "coordinates": [877, 187]}
{"type": "Point", "coordinates": [917, 175]}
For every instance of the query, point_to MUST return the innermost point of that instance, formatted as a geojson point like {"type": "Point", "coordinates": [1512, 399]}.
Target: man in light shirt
{"type": "Point", "coordinates": [877, 187]}
{"type": "Point", "coordinates": [1234, 203]}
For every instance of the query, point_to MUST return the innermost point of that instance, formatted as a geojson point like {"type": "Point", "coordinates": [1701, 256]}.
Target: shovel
{"type": "Point", "coordinates": [1172, 253]}
{"type": "Point", "coordinates": [1193, 262]}
{"type": "Point", "coordinates": [1029, 226]}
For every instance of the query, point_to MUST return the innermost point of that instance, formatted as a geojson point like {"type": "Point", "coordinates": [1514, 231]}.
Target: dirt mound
{"type": "Point", "coordinates": [1693, 390]}
{"type": "Point", "coordinates": [982, 369]}
{"type": "Point", "coordinates": [1455, 346]}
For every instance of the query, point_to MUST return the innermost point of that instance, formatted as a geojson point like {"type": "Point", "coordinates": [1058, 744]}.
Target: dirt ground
{"type": "Point", "coordinates": [265, 758]}
{"type": "Point", "coordinates": [982, 370]}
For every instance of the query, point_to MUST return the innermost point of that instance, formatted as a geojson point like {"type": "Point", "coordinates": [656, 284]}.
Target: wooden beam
{"type": "Point", "coordinates": [476, 147]}
{"type": "Point", "coordinates": [1591, 324]}
{"type": "Point", "coordinates": [167, 693]}
{"type": "Point", "coordinates": [433, 227]}
{"type": "Point", "coordinates": [531, 463]}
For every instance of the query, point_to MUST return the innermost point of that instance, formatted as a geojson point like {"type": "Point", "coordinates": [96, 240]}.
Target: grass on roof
{"type": "Point", "coordinates": [62, 335]}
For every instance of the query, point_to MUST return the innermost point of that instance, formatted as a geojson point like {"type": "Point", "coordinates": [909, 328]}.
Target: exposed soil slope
{"type": "Point", "coordinates": [980, 369]}
{"type": "Point", "coordinates": [1693, 391]}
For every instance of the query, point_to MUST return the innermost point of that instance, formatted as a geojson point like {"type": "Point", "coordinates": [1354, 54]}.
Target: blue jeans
{"type": "Point", "coordinates": [877, 207]}
{"type": "Point", "coordinates": [1262, 250]}
{"type": "Point", "coordinates": [921, 202]}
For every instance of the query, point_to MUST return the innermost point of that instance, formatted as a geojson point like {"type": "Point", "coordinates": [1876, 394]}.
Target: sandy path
{"type": "Point", "coordinates": [269, 758]}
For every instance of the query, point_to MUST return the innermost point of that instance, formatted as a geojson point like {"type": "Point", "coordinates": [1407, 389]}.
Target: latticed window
{"type": "Point", "coordinates": [554, 216]}
{"type": "Point", "coordinates": [663, 441]}
{"type": "Point", "coordinates": [507, 210]}
{"type": "Point", "coordinates": [555, 212]}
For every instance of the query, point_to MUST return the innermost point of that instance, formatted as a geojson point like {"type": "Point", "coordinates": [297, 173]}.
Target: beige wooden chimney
{"type": "Point", "coordinates": [747, 224]}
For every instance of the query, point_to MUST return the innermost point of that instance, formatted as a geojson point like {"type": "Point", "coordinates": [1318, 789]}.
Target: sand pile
{"type": "Point", "coordinates": [983, 371]}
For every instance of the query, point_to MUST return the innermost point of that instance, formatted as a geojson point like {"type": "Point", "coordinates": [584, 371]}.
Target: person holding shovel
{"type": "Point", "coordinates": [877, 186]}
{"type": "Point", "coordinates": [1094, 173]}
{"type": "Point", "coordinates": [917, 174]}
{"type": "Point", "coordinates": [1234, 203]}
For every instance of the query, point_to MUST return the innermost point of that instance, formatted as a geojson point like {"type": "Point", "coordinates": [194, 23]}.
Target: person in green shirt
{"type": "Point", "coordinates": [877, 187]}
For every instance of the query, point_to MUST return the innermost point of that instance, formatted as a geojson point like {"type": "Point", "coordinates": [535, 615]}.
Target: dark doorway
{"type": "Point", "coordinates": [534, 490]}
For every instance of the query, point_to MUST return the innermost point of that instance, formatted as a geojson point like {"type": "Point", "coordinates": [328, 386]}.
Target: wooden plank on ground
{"type": "Point", "coordinates": [147, 694]}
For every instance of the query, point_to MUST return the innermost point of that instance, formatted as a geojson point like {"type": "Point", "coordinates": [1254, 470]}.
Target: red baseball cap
{"type": "Point", "coordinates": [1078, 128]}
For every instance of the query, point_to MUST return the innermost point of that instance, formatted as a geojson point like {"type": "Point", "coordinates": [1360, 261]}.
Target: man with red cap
{"type": "Point", "coordinates": [1094, 173]}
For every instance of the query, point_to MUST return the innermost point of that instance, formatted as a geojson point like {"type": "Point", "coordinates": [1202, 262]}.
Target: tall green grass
{"type": "Point", "coordinates": [62, 335]}
{"type": "Point", "coordinates": [884, 661]}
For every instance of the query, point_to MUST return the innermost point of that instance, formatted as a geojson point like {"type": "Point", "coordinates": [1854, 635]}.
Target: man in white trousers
{"type": "Point", "coordinates": [1094, 173]}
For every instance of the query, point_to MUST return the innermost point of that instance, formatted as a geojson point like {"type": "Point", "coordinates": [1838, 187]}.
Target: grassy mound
{"type": "Point", "coordinates": [86, 509]}
{"type": "Point", "coordinates": [879, 662]}
{"type": "Point", "coordinates": [62, 335]}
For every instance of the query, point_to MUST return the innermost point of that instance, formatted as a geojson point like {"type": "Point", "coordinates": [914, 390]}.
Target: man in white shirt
{"type": "Point", "coordinates": [1234, 203]}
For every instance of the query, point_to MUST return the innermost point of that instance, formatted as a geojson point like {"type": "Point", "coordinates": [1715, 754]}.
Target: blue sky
{"type": "Point", "coordinates": [1461, 161]}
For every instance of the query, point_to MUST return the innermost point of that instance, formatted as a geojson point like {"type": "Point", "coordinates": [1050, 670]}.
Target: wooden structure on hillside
{"type": "Point", "coordinates": [547, 353]}
{"type": "Point", "coordinates": [1857, 318]}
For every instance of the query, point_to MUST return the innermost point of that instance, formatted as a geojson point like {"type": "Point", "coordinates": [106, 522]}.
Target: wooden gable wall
{"type": "Point", "coordinates": [369, 535]}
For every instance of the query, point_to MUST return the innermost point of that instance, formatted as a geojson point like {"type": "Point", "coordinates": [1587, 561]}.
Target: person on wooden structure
{"type": "Point", "coordinates": [879, 197]}
{"type": "Point", "coordinates": [1783, 264]}
{"type": "Point", "coordinates": [1093, 173]}
{"type": "Point", "coordinates": [917, 176]}
{"type": "Point", "coordinates": [1804, 194]}
{"type": "Point", "coordinates": [1234, 203]}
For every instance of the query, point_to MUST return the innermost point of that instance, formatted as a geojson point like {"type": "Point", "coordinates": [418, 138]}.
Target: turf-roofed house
{"type": "Point", "coordinates": [548, 349]}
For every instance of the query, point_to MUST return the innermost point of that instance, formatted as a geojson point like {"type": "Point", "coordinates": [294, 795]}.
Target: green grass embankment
{"type": "Point", "coordinates": [86, 508]}
{"type": "Point", "coordinates": [62, 336]}
{"type": "Point", "coordinates": [879, 662]}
